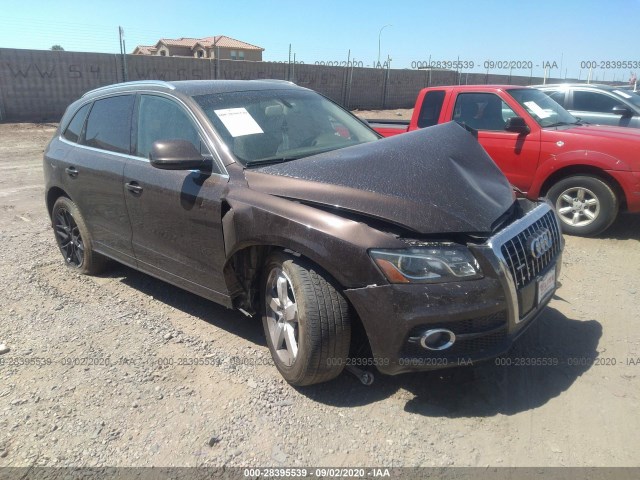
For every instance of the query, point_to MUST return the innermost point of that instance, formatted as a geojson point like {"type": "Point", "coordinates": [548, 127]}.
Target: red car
{"type": "Point", "coordinates": [589, 172]}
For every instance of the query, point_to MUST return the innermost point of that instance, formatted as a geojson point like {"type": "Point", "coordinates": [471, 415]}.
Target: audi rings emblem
{"type": "Point", "coordinates": [540, 243]}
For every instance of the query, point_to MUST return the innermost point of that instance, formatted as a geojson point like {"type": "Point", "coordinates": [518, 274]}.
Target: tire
{"type": "Point", "coordinates": [315, 318]}
{"type": "Point", "coordinates": [74, 240]}
{"type": "Point", "coordinates": [586, 205]}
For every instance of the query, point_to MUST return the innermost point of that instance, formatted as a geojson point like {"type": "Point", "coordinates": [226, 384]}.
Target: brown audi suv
{"type": "Point", "coordinates": [407, 254]}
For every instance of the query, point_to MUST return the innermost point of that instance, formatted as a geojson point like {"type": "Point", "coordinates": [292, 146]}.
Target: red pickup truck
{"type": "Point", "coordinates": [589, 172]}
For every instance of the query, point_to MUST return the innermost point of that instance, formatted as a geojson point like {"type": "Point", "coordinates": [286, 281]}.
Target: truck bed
{"type": "Point", "coordinates": [388, 127]}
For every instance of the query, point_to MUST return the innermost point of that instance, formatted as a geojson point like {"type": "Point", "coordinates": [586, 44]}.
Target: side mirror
{"type": "Point", "coordinates": [622, 111]}
{"type": "Point", "coordinates": [175, 155]}
{"type": "Point", "coordinates": [516, 124]}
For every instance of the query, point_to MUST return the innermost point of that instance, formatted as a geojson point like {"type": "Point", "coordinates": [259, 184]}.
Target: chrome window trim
{"type": "Point", "coordinates": [201, 131]}
{"type": "Point", "coordinates": [206, 138]}
{"type": "Point", "coordinates": [125, 155]}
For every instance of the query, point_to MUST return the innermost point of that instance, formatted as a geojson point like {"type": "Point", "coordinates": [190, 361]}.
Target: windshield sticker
{"type": "Point", "coordinates": [238, 121]}
{"type": "Point", "coordinates": [537, 110]}
{"type": "Point", "coordinates": [622, 94]}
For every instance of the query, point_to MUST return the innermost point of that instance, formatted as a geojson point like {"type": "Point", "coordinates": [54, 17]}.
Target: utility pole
{"type": "Point", "coordinates": [216, 49]}
{"type": "Point", "coordinates": [123, 55]}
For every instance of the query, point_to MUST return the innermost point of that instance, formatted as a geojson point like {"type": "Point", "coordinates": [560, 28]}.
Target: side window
{"type": "Point", "coordinates": [73, 130]}
{"type": "Point", "coordinates": [162, 119]}
{"type": "Point", "coordinates": [558, 95]}
{"type": "Point", "coordinates": [482, 111]}
{"type": "Point", "coordinates": [109, 124]}
{"type": "Point", "coordinates": [431, 108]}
{"type": "Point", "coordinates": [593, 102]}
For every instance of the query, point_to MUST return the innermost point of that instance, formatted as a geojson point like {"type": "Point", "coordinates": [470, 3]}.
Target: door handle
{"type": "Point", "coordinates": [71, 171]}
{"type": "Point", "coordinates": [133, 187]}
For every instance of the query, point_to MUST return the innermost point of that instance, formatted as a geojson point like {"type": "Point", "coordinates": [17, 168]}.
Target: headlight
{"type": "Point", "coordinates": [442, 262]}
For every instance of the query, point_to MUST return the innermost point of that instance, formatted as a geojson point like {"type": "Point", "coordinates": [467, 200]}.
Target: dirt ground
{"type": "Point", "coordinates": [125, 370]}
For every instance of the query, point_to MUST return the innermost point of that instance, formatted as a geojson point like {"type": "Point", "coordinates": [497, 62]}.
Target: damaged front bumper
{"type": "Point", "coordinates": [482, 317]}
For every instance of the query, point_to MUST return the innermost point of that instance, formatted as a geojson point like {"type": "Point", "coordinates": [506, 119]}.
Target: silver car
{"type": "Point", "coordinates": [601, 104]}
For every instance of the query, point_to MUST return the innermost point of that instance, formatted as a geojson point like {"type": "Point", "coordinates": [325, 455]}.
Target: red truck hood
{"type": "Point", "coordinates": [437, 180]}
{"type": "Point", "coordinates": [618, 142]}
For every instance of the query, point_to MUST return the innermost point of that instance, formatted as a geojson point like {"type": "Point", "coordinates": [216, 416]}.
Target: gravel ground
{"type": "Point", "coordinates": [125, 370]}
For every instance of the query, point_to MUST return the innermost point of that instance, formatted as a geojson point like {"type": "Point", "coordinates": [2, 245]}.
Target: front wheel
{"type": "Point", "coordinates": [585, 204]}
{"type": "Point", "coordinates": [306, 321]}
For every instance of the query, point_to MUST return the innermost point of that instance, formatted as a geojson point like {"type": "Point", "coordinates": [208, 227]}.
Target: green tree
{"type": "Point", "coordinates": [57, 47]}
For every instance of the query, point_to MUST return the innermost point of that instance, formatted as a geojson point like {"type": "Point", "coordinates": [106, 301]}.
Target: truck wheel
{"type": "Point", "coordinates": [585, 204]}
{"type": "Point", "coordinates": [73, 238]}
{"type": "Point", "coordinates": [306, 321]}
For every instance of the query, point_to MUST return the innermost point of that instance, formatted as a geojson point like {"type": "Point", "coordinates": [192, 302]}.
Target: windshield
{"type": "Point", "coordinates": [544, 110]}
{"type": "Point", "coordinates": [266, 126]}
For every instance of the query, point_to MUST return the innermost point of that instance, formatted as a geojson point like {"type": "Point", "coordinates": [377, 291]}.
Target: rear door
{"type": "Point", "coordinates": [93, 171]}
{"type": "Point", "coordinates": [516, 154]}
{"type": "Point", "coordinates": [175, 214]}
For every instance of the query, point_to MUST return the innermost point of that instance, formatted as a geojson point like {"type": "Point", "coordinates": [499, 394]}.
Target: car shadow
{"type": "Point", "coordinates": [625, 227]}
{"type": "Point", "coordinates": [506, 386]}
{"type": "Point", "coordinates": [206, 310]}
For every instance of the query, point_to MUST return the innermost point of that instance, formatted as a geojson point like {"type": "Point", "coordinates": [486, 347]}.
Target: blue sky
{"type": "Point", "coordinates": [566, 32]}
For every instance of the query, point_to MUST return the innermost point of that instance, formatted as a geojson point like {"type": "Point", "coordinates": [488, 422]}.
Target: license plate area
{"type": "Point", "coordinates": [546, 285]}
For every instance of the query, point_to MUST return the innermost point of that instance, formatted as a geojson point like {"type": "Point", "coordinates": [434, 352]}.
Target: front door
{"type": "Point", "coordinates": [175, 214]}
{"type": "Point", "coordinates": [516, 154]}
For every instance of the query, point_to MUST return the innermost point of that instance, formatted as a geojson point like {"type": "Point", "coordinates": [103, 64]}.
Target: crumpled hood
{"type": "Point", "coordinates": [434, 180]}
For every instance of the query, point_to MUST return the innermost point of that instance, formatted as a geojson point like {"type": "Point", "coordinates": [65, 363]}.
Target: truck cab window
{"type": "Point", "coordinates": [431, 108]}
{"type": "Point", "coordinates": [482, 111]}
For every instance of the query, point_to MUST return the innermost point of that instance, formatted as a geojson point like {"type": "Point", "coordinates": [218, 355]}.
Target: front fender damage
{"type": "Point", "coordinates": [335, 244]}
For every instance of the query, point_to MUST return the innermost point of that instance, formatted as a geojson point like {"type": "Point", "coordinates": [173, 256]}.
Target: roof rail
{"type": "Point", "coordinates": [158, 83]}
{"type": "Point", "coordinates": [272, 80]}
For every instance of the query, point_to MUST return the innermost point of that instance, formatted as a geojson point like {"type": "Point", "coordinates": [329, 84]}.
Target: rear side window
{"type": "Point", "coordinates": [109, 124]}
{"type": "Point", "coordinates": [431, 108]}
{"type": "Point", "coordinates": [72, 133]}
{"type": "Point", "coordinates": [593, 102]}
{"type": "Point", "coordinates": [162, 119]}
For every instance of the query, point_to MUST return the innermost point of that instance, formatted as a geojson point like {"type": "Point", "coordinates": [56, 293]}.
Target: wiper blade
{"type": "Point", "coordinates": [269, 161]}
{"type": "Point", "coordinates": [282, 159]}
{"type": "Point", "coordinates": [561, 124]}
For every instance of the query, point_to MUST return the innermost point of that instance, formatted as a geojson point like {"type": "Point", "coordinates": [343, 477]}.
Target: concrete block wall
{"type": "Point", "coordinates": [37, 85]}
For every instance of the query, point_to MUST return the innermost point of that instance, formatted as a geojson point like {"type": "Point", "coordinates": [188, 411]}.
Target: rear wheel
{"type": "Point", "coordinates": [306, 321]}
{"type": "Point", "coordinates": [73, 238]}
{"type": "Point", "coordinates": [585, 204]}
